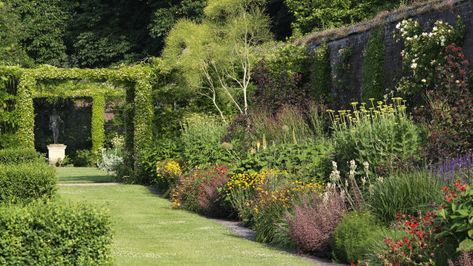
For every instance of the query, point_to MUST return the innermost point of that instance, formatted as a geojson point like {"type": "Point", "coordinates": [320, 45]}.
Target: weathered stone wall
{"type": "Point", "coordinates": [357, 37]}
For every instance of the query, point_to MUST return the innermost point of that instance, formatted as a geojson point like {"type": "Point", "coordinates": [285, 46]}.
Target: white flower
{"type": "Point", "coordinates": [457, 81]}
{"type": "Point", "coordinates": [414, 66]}
{"type": "Point", "coordinates": [398, 26]}
{"type": "Point", "coordinates": [424, 81]}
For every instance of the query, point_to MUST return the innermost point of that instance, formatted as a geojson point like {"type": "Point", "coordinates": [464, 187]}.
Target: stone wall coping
{"type": "Point", "coordinates": [316, 38]}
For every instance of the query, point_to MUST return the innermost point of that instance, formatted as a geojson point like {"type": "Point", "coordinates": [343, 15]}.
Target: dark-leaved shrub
{"type": "Point", "coordinates": [26, 182]}
{"type": "Point", "coordinates": [84, 158]}
{"type": "Point", "coordinates": [202, 191]}
{"type": "Point", "coordinates": [354, 236]}
{"type": "Point", "coordinates": [54, 234]}
{"type": "Point", "coordinates": [314, 220]}
{"type": "Point", "coordinates": [405, 193]}
{"type": "Point", "coordinates": [16, 156]}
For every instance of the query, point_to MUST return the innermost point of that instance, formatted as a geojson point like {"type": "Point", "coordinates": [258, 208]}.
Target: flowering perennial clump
{"type": "Point", "coordinates": [423, 53]}
{"type": "Point", "coordinates": [417, 246]}
{"type": "Point", "coordinates": [250, 180]}
{"type": "Point", "coordinates": [168, 171]}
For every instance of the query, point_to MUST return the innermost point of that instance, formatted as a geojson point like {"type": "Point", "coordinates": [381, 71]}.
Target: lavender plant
{"type": "Point", "coordinates": [449, 170]}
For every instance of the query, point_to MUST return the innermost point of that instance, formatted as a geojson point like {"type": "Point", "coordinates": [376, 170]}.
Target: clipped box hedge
{"type": "Point", "coordinates": [54, 234]}
{"type": "Point", "coordinates": [17, 156]}
{"type": "Point", "coordinates": [25, 182]}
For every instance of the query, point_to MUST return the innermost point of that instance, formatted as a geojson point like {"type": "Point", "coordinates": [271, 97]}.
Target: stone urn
{"type": "Point", "coordinates": [56, 152]}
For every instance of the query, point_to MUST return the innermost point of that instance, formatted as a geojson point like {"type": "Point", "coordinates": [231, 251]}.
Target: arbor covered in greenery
{"type": "Point", "coordinates": [136, 79]}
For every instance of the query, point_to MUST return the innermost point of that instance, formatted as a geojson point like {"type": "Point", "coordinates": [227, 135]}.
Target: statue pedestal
{"type": "Point", "coordinates": [56, 152]}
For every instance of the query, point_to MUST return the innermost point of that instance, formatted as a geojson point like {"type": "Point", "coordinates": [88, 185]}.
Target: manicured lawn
{"type": "Point", "coordinates": [148, 232]}
{"type": "Point", "coordinates": [82, 175]}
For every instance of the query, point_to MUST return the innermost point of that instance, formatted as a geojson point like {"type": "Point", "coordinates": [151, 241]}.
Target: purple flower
{"type": "Point", "coordinates": [451, 169]}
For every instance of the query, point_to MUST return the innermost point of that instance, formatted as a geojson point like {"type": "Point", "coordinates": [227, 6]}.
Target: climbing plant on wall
{"type": "Point", "coordinates": [373, 66]}
{"type": "Point", "coordinates": [321, 74]}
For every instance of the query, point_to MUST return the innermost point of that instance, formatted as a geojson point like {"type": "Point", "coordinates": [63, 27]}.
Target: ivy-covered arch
{"type": "Point", "coordinates": [138, 112]}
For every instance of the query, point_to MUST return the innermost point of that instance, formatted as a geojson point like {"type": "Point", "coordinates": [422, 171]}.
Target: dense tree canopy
{"type": "Point", "coordinates": [100, 33]}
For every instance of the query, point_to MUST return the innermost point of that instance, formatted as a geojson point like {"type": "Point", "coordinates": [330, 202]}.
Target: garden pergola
{"type": "Point", "coordinates": [138, 111]}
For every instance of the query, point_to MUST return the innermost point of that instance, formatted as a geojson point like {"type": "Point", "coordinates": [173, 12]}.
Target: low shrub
{"type": "Point", "coordinates": [309, 161]}
{"type": "Point", "coordinates": [354, 236]}
{"type": "Point", "coordinates": [242, 189]}
{"type": "Point", "coordinates": [167, 175]}
{"type": "Point", "coordinates": [17, 156]}
{"type": "Point", "coordinates": [313, 221]}
{"type": "Point", "coordinates": [212, 196]}
{"type": "Point", "coordinates": [26, 182]}
{"type": "Point", "coordinates": [202, 191]}
{"type": "Point", "coordinates": [273, 199]}
{"type": "Point", "coordinates": [161, 149]}
{"type": "Point", "coordinates": [403, 193]}
{"type": "Point", "coordinates": [201, 139]}
{"type": "Point", "coordinates": [54, 234]}
{"type": "Point", "coordinates": [84, 158]}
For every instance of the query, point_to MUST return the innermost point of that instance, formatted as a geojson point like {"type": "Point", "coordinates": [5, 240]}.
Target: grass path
{"type": "Point", "coordinates": [148, 232]}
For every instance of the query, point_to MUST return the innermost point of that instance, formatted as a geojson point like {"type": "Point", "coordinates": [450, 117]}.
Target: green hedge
{"type": "Point", "coordinates": [16, 156]}
{"type": "Point", "coordinates": [26, 182]}
{"type": "Point", "coordinates": [54, 234]}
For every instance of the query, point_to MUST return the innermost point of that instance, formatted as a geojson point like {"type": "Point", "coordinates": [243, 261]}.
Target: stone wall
{"type": "Point", "coordinates": [357, 36]}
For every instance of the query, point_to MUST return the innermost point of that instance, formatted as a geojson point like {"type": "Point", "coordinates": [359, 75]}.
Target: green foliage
{"type": "Point", "coordinates": [142, 123]}
{"type": "Point", "coordinates": [373, 66]}
{"type": "Point", "coordinates": [26, 182]}
{"type": "Point", "coordinates": [43, 24]}
{"type": "Point", "coordinates": [160, 150]}
{"type": "Point", "coordinates": [98, 121]}
{"type": "Point", "coordinates": [84, 158]}
{"type": "Point", "coordinates": [139, 78]}
{"type": "Point", "coordinates": [457, 216]}
{"type": "Point", "coordinates": [309, 161]}
{"type": "Point", "coordinates": [54, 234]}
{"type": "Point", "coordinates": [289, 125]}
{"type": "Point", "coordinates": [405, 193]}
{"type": "Point", "coordinates": [215, 58]}
{"type": "Point", "coordinates": [313, 15]}
{"type": "Point", "coordinates": [11, 51]}
{"type": "Point", "coordinates": [382, 135]}
{"type": "Point", "coordinates": [201, 139]}
{"type": "Point", "coordinates": [165, 18]}
{"type": "Point", "coordinates": [287, 58]}
{"type": "Point", "coordinates": [18, 156]}
{"type": "Point", "coordinates": [354, 236]}
{"type": "Point", "coordinates": [321, 74]}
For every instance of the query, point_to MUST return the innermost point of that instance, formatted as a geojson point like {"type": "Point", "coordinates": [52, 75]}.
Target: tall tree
{"type": "Point", "coordinates": [217, 57]}
{"type": "Point", "coordinates": [43, 25]}
{"type": "Point", "coordinates": [11, 51]}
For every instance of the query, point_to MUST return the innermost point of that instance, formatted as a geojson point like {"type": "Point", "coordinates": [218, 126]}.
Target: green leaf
{"type": "Point", "coordinates": [466, 245]}
{"type": "Point", "coordinates": [442, 213]}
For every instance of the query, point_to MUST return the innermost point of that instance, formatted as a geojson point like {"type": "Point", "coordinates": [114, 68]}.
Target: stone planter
{"type": "Point", "coordinates": [56, 152]}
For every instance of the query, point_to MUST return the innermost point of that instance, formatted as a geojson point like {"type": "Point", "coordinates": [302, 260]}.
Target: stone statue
{"type": "Point", "coordinates": [54, 122]}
